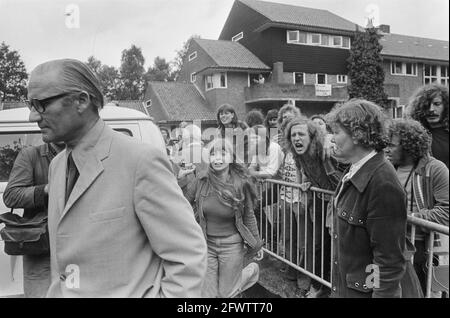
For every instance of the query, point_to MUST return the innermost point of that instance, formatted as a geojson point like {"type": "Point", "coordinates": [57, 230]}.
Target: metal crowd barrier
{"type": "Point", "coordinates": [289, 232]}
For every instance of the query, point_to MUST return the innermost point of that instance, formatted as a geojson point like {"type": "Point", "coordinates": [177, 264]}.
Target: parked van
{"type": "Point", "coordinates": [17, 132]}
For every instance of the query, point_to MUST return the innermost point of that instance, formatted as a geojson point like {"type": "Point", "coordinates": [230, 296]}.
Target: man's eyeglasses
{"type": "Point", "coordinates": [41, 104]}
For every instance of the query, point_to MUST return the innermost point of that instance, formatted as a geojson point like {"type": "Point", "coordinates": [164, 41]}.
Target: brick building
{"type": "Point", "coordinates": [302, 54]}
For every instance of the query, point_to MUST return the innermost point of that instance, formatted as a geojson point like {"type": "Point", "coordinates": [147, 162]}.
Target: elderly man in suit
{"type": "Point", "coordinates": [118, 222]}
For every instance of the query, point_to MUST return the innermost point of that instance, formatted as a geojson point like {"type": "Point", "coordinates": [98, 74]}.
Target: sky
{"type": "Point", "coordinates": [39, 29]}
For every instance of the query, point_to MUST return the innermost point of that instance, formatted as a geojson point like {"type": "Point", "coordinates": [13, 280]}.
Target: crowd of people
{"type": "Point", "coordinates": [380, 169]}
{"type": "Point", "coordinates": [180, 217]}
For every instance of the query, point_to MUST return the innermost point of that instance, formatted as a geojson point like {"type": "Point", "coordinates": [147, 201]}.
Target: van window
{"type": "Point", "coordinates": [124, 131]}
{"type": "Point", "coordinates": [10, 145]}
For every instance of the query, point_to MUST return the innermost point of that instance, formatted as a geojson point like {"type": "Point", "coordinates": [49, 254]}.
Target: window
{"type": "Point", "coordinates": [346, 42]}
{"type": "Point", "coordinates": [402, 68]}
{"type": "Point", "coordinates": [237, 37]}
{"type": "Point", "coordinates": [435, 74]}
{"type": "Point", "coordinates": [193, 77]}
{"type": "Point", "coordinates": [223, 80]}
{"type": "Point", "coordinates": [298, 37]}
{"type": "Point", "coordinates": [192, 56]}
{"type": "Point", "coordinates": [10, 146]}
{"type": "Point", "coordinates": [337, 40]}
{"type": "Point", "coordinates": [314, 38]}
{"type": "Point", "coordinates": [148, 103]}
{"type": "Point", "coordinates": [444, 75]}
{"type": "Point", "coordinates": [217, 80]}
{"type": "Point", "coordinates": [292, 36]}
{"type": "Point", "coordinates": [397, 110]}
{"type": "Point", "coordinates": [209, 82]}
{"type": "Point", "coordinates": [299, 78]}
{"type": "Point", "coordinates": [342, 79]}
{"type": "Point", "coordinates": [321, 78]}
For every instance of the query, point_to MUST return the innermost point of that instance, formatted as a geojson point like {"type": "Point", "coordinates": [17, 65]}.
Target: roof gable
{"type": "Point", "coordinates": [229, 54]}
{"type": "Point", "coordinates": [302, 16]}
{"type": "Point", "coordinates": [179, 101]}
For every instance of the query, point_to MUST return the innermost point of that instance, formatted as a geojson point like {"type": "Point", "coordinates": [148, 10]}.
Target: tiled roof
{"type": "Point", "coordinates": [290, 14]}
{"type": "Point", "coordinates": [181, 101]}
{"type": "Point", "coordinates": [12, 105]}
{"type": "Point", "coordinates": [133, 104]}
{"type": "Point", "coordinates": [229, 54]}
{"type": "Point", "coordinates": [414, 47]}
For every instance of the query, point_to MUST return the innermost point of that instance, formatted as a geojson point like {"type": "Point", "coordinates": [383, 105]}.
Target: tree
{"type": "Point", "coordinates": [160, 71]}
{"type": "Point", "coordinates": [13, 75]}
{"type": "Point", "coordinates": [366, 68]}
{"type": "Point", "coordinates": [111, 82]}
{"type": "Point", "coordinates": [108, 76]}
{"type": "Point", "coordinates": [94, 64]}
{"type": "Point", "coordinates": [132, 74]}
{"type": "Point", "coordinates": [177, 63]}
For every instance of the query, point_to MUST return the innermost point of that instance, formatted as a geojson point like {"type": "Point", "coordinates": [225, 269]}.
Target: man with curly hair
{"type": "Point", "coordinates": [424, 178]}
{"type": "Point", "coordinates": [369, 224]}
{"type": "Point", "coordinates": [429, 106]}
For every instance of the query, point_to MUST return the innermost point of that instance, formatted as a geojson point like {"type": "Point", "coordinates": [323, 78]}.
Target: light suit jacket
{"type": "Point", "coordinates": [126, 230]}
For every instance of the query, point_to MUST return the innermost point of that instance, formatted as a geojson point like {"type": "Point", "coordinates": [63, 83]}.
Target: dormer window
{"type": "Point", "coordinates": [304, 38]}
{"type": "Point", "coordinates": [192, 56]}
{"type": "Point", "coordinates": [314, 38]}
{"type": "Point", "coordinates": [296, 37]}
{"type": "Point", "coordinates": [337, 40]}
{"type": "Point", "coordinates": [237, 37]}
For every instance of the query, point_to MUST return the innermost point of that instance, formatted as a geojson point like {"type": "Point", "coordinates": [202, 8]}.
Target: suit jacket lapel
{"type": "Point", "coordinates": [91, 169]}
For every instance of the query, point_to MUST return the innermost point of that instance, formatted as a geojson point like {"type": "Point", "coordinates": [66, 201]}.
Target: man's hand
{"type": "Point", "coordinates": [259, 256]}
{"type": "Point", "coordinates": [184, 172]}
{"type": "Point", "coordinates": [305, 186]}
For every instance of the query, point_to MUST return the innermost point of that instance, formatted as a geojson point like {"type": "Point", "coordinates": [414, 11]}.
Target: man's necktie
{"type": "Point", "coordinates": [71, 176]}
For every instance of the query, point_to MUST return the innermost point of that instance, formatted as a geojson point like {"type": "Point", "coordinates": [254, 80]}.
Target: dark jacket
{"type": "Point", "coordinates": [27, 180]}
{"type": "Point", "coordinates": [369, 232]}
{"type": "Point", "coordinates": [245, 219]}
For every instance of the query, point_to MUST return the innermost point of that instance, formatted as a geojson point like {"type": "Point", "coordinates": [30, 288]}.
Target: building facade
{"type": "Point", "coordinates": [302, 54]}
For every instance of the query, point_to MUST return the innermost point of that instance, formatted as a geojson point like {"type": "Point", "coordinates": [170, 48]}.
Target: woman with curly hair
{"type": "Point", "coordinates": [429, 106]}
{"type": "Point", "coordinates": [306, 142]}
{"type": "Point", "coordinates": [369, 228]}
{"type": "Point", "coordinates": [424, 178]}
{"type": "Point", "coordinates": [223, 199]}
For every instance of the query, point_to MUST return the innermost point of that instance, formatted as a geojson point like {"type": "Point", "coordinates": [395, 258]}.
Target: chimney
{"type": "Point", "coordinates": [385, 28]}
{"type": "Point", "coordinates": [277, 72]}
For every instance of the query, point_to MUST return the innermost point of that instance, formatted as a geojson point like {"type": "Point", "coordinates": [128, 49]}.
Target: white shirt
{"type": "Point", "coordinates": [353, 170]}
{"type": "Point", "coordinates": [269, 164]}
{"type": "Point", "coordinates": [358, 165]}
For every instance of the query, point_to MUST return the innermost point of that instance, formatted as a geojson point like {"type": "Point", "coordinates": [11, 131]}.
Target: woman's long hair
{"type": "Point", "coordinates": [231, 192]}
{"type": "Point", "coordinates": [316, 136]}
{"type": "Point", "coordinates": [234, 121]}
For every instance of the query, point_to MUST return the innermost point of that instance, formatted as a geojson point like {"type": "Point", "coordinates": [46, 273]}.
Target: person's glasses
{"type": "Point", "coordinates": [41, 104]}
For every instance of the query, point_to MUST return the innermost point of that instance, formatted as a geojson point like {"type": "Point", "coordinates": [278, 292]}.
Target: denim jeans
{"type": "Point", "coordinates": [224, 277]}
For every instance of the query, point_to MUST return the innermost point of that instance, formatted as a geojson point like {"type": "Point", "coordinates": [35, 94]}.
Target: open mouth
{"type": "Point", "coordinates": [298, 146]}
